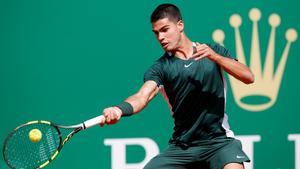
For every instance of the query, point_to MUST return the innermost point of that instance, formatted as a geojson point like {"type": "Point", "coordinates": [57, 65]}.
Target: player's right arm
{"type": "Point", "coordinates": [138, 101]}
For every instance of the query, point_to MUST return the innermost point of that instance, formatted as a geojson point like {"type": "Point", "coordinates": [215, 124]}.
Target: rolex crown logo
{"type": "Point", "coordinates": [267, 79]}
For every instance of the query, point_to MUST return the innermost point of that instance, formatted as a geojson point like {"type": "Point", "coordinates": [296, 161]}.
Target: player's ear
{"type": "Point", "coordinates": [180, 25]}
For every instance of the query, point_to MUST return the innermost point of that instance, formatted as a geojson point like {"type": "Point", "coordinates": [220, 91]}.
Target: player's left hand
{"type": "Point", "coordinates": [203, 50]}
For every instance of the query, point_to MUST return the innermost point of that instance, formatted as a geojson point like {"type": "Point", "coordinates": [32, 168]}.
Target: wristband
{"type": "Point", "coordinates": [126, 108]}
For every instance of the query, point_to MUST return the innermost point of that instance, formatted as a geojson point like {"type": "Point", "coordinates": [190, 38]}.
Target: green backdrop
{"type": "Point", "coordinates": [64, 61]}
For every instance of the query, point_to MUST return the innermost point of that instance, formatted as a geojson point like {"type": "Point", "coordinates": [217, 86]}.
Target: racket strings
{"type": "Point", "coordinates": [21, 152]}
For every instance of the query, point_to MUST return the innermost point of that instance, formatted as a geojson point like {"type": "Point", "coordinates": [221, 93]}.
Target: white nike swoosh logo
{"type": "Point", "coordinates": [240, 156]}
{"type": "Point", "coordinates": [188, 65]}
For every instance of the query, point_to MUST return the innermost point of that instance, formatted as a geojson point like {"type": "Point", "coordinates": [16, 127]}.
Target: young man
{"type": "Point", "coordinates": [190, 78]}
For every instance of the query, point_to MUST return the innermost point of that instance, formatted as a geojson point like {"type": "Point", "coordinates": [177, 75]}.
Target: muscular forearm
{"type": "Point", "coordinates": [236, 69]}
{"type": "Point", "coordinates": [137, 102]}
{"type": "Point", "coordinates": [132, 104]}
{"type": "Point", "coordinates": [140, 100]}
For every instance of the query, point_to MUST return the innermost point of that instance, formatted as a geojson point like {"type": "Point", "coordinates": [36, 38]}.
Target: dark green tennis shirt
{"type": "Point", "coordinates": [195, 92]}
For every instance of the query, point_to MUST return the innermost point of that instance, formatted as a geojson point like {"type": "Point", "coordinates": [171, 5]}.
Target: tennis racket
{"type": "Point", "coordinates": [21, 152]}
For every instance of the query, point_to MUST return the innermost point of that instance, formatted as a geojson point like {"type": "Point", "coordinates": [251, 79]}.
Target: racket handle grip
{"type": "Point", "coordinates": [94, 121]}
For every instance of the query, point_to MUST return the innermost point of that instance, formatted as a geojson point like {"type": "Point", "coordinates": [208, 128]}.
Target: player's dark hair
{"type": "Point", "coordinates": [169, 11]}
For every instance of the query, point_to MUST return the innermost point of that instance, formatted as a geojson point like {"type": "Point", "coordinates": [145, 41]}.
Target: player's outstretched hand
{"type": "Point", "coordinates": [112, 115]}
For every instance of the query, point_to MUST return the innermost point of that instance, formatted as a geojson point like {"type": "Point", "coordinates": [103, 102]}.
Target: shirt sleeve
{"type": "Point", "coordinates": [155, 73]}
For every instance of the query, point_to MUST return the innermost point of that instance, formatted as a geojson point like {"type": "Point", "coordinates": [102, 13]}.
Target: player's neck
{"type": "Point", "coordinates": [185, 49]}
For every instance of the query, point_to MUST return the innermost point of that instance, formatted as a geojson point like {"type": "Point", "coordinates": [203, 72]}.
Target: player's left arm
{"type": "Point", "coordinates": [231, 66]}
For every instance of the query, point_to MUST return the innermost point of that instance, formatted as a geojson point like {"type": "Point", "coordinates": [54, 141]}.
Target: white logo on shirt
{"type": "Point", "coordinates": [186, 66]}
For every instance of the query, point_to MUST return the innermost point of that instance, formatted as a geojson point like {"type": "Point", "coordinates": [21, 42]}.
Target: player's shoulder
{"type": "Point", "coordinates": [158, 63]}
{"type": "Point", "coordinates": [163, 59]}
{"type": "Point", "coordinates": [216, 47]}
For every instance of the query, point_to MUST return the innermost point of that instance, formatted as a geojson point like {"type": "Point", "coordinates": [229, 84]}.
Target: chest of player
{"type": "Point", "coordinates": [204, 74]}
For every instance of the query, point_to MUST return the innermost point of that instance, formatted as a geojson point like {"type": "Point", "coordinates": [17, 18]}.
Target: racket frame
{"type": "Point", "coordinates": [82, 126]}
{"type": "Point", "coordinates": [26, 124]}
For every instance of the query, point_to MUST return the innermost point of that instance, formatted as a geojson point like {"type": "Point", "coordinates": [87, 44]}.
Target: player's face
{"type": "Point", "coordinates": [168, 33]}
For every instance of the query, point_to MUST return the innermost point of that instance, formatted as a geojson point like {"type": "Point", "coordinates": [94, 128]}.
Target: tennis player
{"type": "Point", "coordinates": [190, 77]}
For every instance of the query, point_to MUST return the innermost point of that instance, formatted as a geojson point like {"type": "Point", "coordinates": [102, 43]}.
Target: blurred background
{"type": "Point", "coordinates": [64, 61]}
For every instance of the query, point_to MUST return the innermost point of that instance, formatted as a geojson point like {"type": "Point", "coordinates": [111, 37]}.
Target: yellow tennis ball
{"type": "Point", "coordinates": [35, 135]}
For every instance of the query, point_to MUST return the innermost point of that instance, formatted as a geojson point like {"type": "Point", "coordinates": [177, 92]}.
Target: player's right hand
{"type": "Point", "coordinates": [112, 115]}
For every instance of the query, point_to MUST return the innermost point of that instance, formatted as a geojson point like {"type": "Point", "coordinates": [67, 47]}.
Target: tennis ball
{"type": "Point", "coordinates": [35, 135]}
